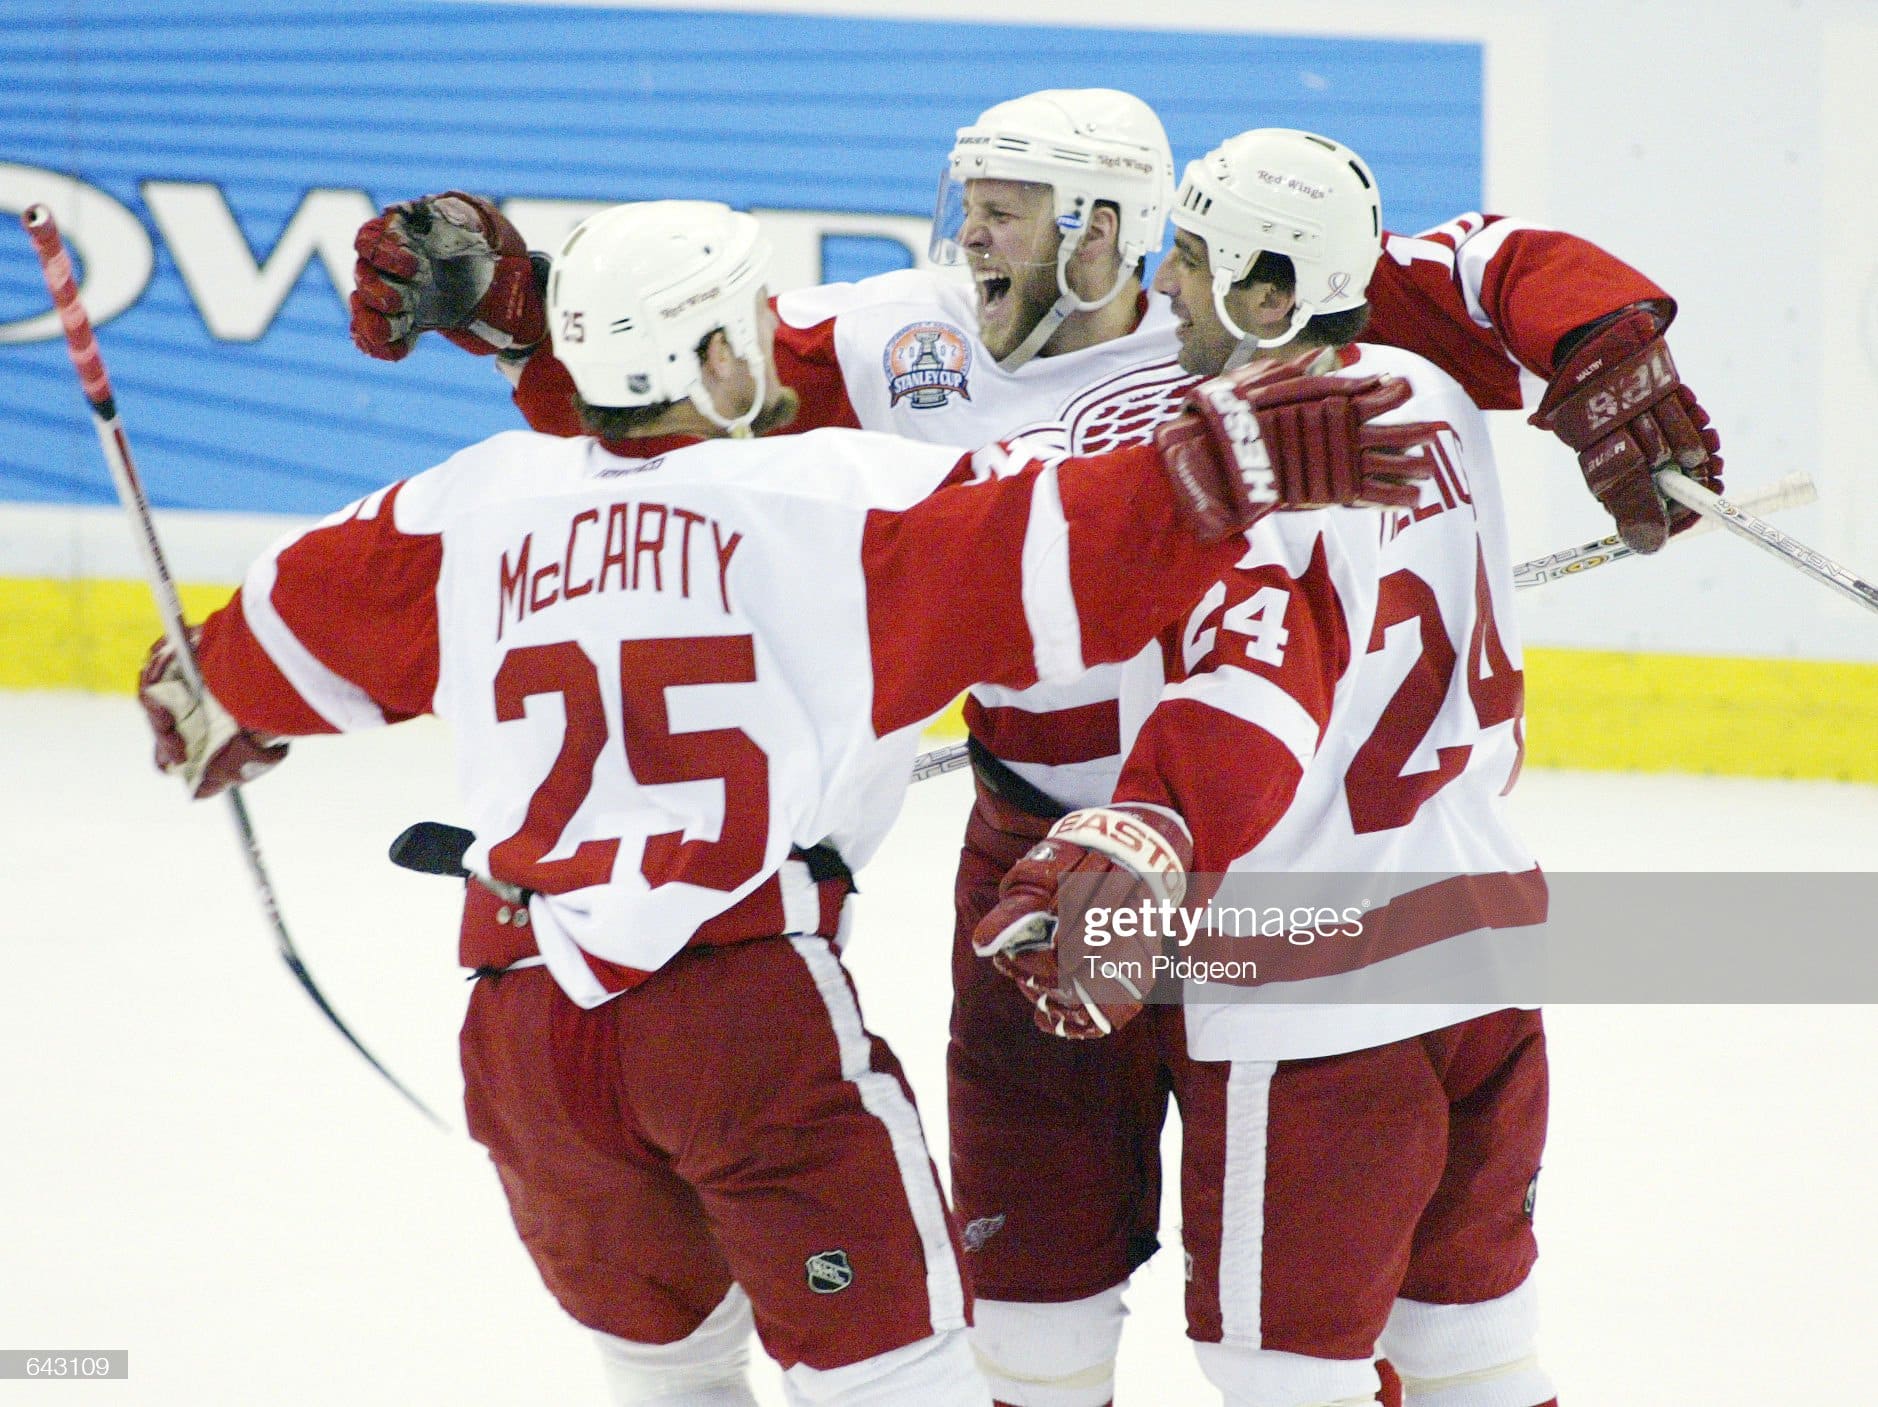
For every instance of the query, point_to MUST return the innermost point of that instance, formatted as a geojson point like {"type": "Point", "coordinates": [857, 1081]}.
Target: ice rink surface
{"type": "Point", "coordinates": [194, 1167]}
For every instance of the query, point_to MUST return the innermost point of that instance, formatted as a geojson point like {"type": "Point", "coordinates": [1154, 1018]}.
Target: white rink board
{"type": "Point", "coordinates": [197, 1170]}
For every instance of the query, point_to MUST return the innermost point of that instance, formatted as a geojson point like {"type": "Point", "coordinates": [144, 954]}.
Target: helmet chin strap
{"type": "Point", "coordinates": [1246, 345]}
{"type": "Point", "coordinates": [1044, 330]}
{"type": "Point", "coordinates": [1066, 303]}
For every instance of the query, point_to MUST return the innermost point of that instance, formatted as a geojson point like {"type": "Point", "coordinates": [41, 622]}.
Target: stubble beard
{"type": "Point", "coordinates": [1205, 353]}
{"type": "Point", "coordinates": [1032, 294]}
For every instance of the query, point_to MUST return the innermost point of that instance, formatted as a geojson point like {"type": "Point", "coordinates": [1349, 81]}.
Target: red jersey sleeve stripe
{"type": "Point", "coordinates": [360, 597]}
{"type": "Point", "coordinates": [335, 630]}
{"type": "Point", "coordinates": [1537, 285]}
{"type": "Point", "coordinates": [1085, 733]}
{"type": "Point", "coordinates": [1131, 561]}
{"type": "Point", "coordinates": [246, 681]}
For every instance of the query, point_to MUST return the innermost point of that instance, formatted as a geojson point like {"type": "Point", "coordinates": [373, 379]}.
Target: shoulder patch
{"type": "Point", "coordinates": [926, 364]}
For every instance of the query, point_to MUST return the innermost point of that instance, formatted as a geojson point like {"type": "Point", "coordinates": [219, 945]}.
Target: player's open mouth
{"type": "Point", "coordinates": [993, 289]}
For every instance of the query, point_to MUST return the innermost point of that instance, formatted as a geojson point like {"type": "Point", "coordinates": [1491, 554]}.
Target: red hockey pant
{"type": "Point", "coordinates": [730, 1119]}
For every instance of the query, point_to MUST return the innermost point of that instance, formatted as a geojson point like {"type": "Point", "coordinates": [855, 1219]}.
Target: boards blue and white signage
{"type": "Point", "coordinates": [209, 162]}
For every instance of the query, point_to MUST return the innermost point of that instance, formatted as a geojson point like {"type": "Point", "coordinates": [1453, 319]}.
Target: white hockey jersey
{"type": "Point", "coordinates": [1484, 297]}
{"type": "Point", "coordinates": [666, 676]}
{"type": "Point", "coordinates": [1347, 702]}
{"type": "Point", "coordinates": [911, 363]}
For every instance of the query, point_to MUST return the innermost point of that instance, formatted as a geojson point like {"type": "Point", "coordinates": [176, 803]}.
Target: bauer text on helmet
{"type": "Point", "coordinates": [1273, 228]}
{"type": "Point", "coordinates": [1019, 197]}
{"type": "Point", "coordinates": [637, 294]}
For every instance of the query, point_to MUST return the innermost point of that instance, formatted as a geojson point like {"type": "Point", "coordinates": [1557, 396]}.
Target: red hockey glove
{"type": "Point", "coordinates": [1617, 400]}
{"type": "Point", "coordinates": [452, 262]}
{"type": "Point", "coordinates": [1134, 855]}
{"type": "Point", "coordinates": [196, 738]}
{"type": "Point", "coordinates": [1270, 436]}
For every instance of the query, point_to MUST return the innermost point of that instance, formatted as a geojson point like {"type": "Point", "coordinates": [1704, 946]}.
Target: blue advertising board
{"type": "Point", "coordinates": [211, 160]}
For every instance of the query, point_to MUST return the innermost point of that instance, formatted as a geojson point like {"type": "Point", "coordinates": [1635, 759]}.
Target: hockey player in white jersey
{"type": "Point", "coordinates": [1344, 701]}
{"type": "Point", "coordinates": [954, 362]}
{"type": "Point", "coordinates": [686, 691]}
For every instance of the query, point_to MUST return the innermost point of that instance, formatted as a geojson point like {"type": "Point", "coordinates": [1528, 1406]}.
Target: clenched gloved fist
{"type": "Point", "coordinates": [196, 738]}
{"type": "Point", "coordinates": [451, 262]}
{"type": "Point", "coordinates": [1618, 401]}
{"type": "Point", "coordinates": [1271, 435]}
{"type": "Point", "coordinates": [1127, 855]}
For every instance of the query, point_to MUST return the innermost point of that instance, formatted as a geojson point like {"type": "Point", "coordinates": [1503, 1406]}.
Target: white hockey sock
{"type": "Point", "coordinates": [706, 1368]}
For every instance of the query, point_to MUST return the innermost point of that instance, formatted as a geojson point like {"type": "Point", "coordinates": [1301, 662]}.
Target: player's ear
{"type": "Point", "coordinates": [1099, 241]}
{"type": "Point", "coordinates": [718, 363]}
{"type": "Point", "coordinates": [717, 358]}
{"type": "Point", "coordinates": [1271, 300]}
{"type": "Point", "coordinates": [1264, 307]}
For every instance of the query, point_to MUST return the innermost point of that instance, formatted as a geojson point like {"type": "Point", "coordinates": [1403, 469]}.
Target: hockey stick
{"type": "Point", "coordinates": [1767, 537]}
{"type": "Point", "coordinates": [96, 384]}
{"type": "Point", "coordinates": [939, 761]}
{"type": "Point", "coordinates": [1793, 491]}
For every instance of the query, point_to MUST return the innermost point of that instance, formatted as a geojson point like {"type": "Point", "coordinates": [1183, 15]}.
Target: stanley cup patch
{"type": "Point", "coordinates": [926, 364]}
{"type": "Point", "coordinates": [829, 1272]}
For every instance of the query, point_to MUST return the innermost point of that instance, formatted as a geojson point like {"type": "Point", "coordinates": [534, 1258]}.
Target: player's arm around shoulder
{"type": "Point", "coordinates": [1021, 569]}
{"type": "Point", "coordinates": [1530, 285]}
{"type": "Point", "coordinates": [1582, 321]}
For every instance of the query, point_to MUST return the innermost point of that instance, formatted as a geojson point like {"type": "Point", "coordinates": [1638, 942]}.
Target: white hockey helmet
{"type": "Point", "coordinates": [1293, 193]}
{"type": "Point", "coordinates": [637, 288]}
{"type": "Point", "coordinates": [1087, 145]}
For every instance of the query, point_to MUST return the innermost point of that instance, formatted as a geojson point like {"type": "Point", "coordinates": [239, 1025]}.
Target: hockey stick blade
{"type": "Point", "coordinates": [1792, 491]}
{"type": "Point", "coordinates": [1678, 486]}
{"type": "Point", "coordinates": [82, 344]}
{"type": "Point", "coordinates": [431, 847]}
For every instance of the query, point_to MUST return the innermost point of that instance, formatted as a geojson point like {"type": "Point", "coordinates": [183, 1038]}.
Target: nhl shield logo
{"type": "Point", "coordinates": [829, 1272]}
{"type": "Point", "coordinates": [926, 364]}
